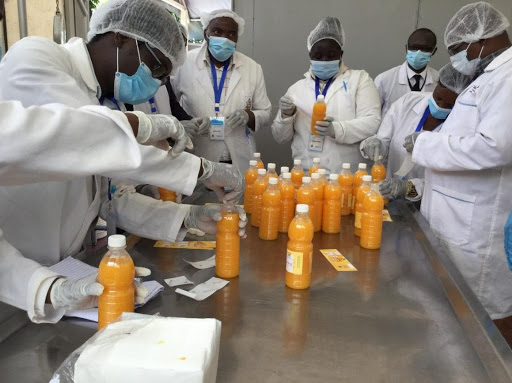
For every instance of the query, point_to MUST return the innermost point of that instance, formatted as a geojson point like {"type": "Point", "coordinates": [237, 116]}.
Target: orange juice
{"type": "Point", "coordinates": [270, 211]}
{"type": "Point", "coordinates": [115, 273]}
{"type": "Point", "coordinates": [250, 176]}
{"type": "Point", "coordinates": [287, 209]}
{"type": "Point", "coordinates": [258, 189]}
{"type": "Point", "coordinates": [227, 258]}
{"type": "Point", "coordinates": [306, 195]}
{"type": "Point", "coordinates": [371, 221]}
{"type": "Point", "coordinates": [299, 252]}
{"type": "Point", "coordinates": [297, 173]}
{"type": "Point", "coordinates": [271, 170]}
{"type": "Point", "coordinates": [167, 195]}
{"type": "Point", "coordinates": [319, 111]}
{"type": "Point", "coordinates": [315, 167]}
{"type": "Point", "coordinates": [331, 221]}
{"type": "Point", "coordinates": [346, 180]}
{"type": "Point", "coordinates": [362, 191]}
{"type": "Point", "coordinates": [257, 158]}
{"type": "Point", "coordinates": [378, 171]}
{"type": "Point", "coordinates": [318, 188]}
{"type": "Point", "coordinates": [358, 180]}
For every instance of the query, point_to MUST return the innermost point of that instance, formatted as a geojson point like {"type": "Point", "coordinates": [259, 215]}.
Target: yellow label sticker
{"type": "Point", "coordinates": [196, 245]}
{"type": "Point", "coordinates": [337, 260]}
{"type": "Point", "coordinates": [351, 201]}
{"type": "Point", "coordinates": [342, 199]}
{"type": "Point", "coordinates": [386, 217]}
{"type": "Point", "coordinates": [294, 261]}
{"type": "Point", "coordinates": [358, 219]}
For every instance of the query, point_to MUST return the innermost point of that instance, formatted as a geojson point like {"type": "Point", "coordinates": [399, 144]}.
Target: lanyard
{"type": "Point", "coordinates": [423, 119]}
{"type": "Point", "coordinates": [217, 88]}
{"type": "Point", "coordinates": [424, 82]}
{"type": "Point", "coordinates": [113, 100]}
{"type": "Point", "coordinates": [153, 105]}
{"type": "Point", "coordinates": [324, 92]}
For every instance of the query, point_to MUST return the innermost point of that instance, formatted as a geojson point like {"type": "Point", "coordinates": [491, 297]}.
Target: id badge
{"type": "Point", "coordinates": [316, 143]}
{"type": "Point", "coordinates": [217, 129]}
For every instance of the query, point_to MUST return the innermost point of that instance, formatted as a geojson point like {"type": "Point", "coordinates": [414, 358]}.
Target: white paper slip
{"type": "Point", "coordinates": [204, 290]}
{"type": "Point", "coordinates": [297, 101]}
{"type": "Point", "coordinates": [178, 281]}
{"type": "Point", "coordinates": [206, 264]}
{"type": "Point", "coordinates": [406, 167]}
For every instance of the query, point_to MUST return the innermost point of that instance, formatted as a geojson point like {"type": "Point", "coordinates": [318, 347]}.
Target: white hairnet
{"type": "Point", "coordinates": [183, 31]}
{"type": "Point", "coordinates": [453, 79]}
{"type": "Point", "coordinates": [474, 22]}
{"type": "Point", "coordinates": [327, 28]}
{"type": "Point", "coordinates": [143, 20]}
{"type": "Point", "coordinates": [206, 18]}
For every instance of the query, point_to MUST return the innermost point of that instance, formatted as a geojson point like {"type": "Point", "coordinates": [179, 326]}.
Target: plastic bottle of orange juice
{"type": "Point", "coordinates": [331, 221]}
{"type": "Point", "coordinates": [358, 180]}
{"type": "Point", "coordinates": [271, 170]}
{"type": "Point", "coordinates": [167, 195]}
{"type": "Point", "coordinates": [284, 169]}
{"type": "Point", "coordinates": [287, 209]}
{"type": "Point", "coordinates": [227, 258]}
{"type": "Point", "coordinates": [257, 158]}
{"type": "Point", "coordinates": [323, 176]}
{"type": "Point", "coordinates": [306, 195]}
{"type": "Point", "coordinates": [258, 189]}
{"type": "Point", "coordinates": [116, 273]}
{"type": "Point", "coordinates": [318, 188]}
{"type": "Point", "coordinates": [270, 211]}
{"type": "Point", "coordinates": [315, 167]}
{"type": "Point", "coordinates": [346, 180]}
{"type": "Point", "coordinates": [362, 191]}
{"type": "Point", "coordinates": [250, 176]}
{"type": "Point", "coordinates": [378, 171]}
{"type": "Point", "coordinates": [319, 111]}
{"type": "Point", "coordinates": [297, 173]}
{"type": "Point", "coordinates": [299, 254]}
{"type": "Point", "coordinates": [371, 221]}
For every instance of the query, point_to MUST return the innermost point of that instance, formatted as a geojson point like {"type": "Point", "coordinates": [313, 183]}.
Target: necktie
{"type": "Point", "coordinates": [416, 86]}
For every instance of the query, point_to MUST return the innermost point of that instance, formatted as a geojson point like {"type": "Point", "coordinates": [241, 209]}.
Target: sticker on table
{"type": "Point", "coordinates": [316, 143]}
{"type": "Point", "coordinates": [204, 290]}
{"type": "Point", "coordinates": [194, 245]}
{"type": "Point", "coordinates": [206, 264]}
{"type": "Point", "coordinates": [386, 217]}
{"type": "Point", "coordinates": [178, 281]}
{"type": "Point", "coordinates": [217, 128]}
{"type": "Point", "coordinates": [337, 260]}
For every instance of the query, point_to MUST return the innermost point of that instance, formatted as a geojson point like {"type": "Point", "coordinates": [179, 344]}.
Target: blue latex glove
{"type": "Point", "coordinates": [508, 240]}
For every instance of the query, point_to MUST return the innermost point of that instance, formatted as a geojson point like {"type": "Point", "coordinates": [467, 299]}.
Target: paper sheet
{"type": "Point", "coordinates": [195, 245]}
{"type": "Point", "coordinates": [304, 107]}
{"type": "Point", "coordinates": [337, 260]}
{"type": "Point", "coordinates": [204, 290]}
{"type": "Point", "coordinates": [386, 217]}
{"type": "Point", "coordinates": [206, 264]}
{"type": "Point", "coordinates": [406, 167]}
{"type": "Point", "coordinates": [178, 281]}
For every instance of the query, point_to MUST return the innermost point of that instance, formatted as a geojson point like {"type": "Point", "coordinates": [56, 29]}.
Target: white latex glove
{"type": "Point", "coordinates": [150, 191]}
{"type": "Point", "coordinates": [410, 140]}
{"type": "Point", "coordinates": [191, 127]}
{"type": "Point", "coordinates": [205, 218]}
{"type": "Point", "coordinates": [238, 119]}
{"type": "Point", "coordinates": [217, 176]}
{"type": "Point", "coordinates": [204, 124]}
{"type": "Point", "coordinates": [393, 188]}
{"type": "Point", "coordinates": [325, 127]}
{"type": "Point", "coordinates": [373, 148]}
{"type": "Point", "coordinates": [286, 106]}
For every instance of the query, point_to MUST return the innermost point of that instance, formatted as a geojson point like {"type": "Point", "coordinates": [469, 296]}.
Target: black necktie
{"type": "Point", "coordinates": [416, 86]}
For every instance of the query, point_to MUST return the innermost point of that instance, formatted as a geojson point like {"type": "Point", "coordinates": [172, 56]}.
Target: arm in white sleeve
{"type": "Point", "coordinates": [380, 88]}
{"type": "Point", "coordinates": [282, 127]}
{"type": "Point", "coordinates": [261, 106]}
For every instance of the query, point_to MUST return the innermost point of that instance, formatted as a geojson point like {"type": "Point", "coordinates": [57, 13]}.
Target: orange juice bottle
{"type": "Point", "coordinates": [306, 196]}
{"type": "Point", "coordinates": [362, 191]}
{"type": "Point", "coordinates": [299, 252]}
{"type": "Point", "coordinates": [258, 189]}
{"type": "Point", "coordinates": [257, 158]}
{"type": "Point", "coordinates": [319, 111]}
{"type": "Point", "coordinates": [297, 173]}
{"type": "Point", "coordinates": [167, 195]}
{"type": "Point", "coordinates": [315, 167]}
{"type": "Point", "coordinates": [284, 169]}
{"type": "Point", "coordinates": [270, 211]}
{"type": "Point", "coordinates": [227, 258]}
{"type": "Point", "coordinates": [271, 170]}
{"type": "Point", "coordinates": [346, 180]}
{"type": "Point", "coordinates": [116, 273]}
{"type": "Point", "coordinates": [250, 176]}
{"type": "Point", "coordinates": [331, 221]}
{"type": "Point", "coordinates": [323, 176]}
{"type": "Point", "coordinates": [287, 209]}
{"type": "Point", "coordinates": [378, 171]}
{"type": "Point", "coordinates": [358, 180]}
{"type": "Point", "coordinates": [318, 188]}
{"type": "Point", "coordinates": [371, 221]}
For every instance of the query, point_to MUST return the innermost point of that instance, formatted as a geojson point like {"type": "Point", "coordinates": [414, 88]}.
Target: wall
{"type": "Point", "coordinates": [376, 32]}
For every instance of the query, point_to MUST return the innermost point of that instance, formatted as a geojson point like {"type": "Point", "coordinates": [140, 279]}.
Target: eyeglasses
{"type": "Point", "coordinates": [453, 49]}
{"type": "Point", "coordinates": [159, 71]}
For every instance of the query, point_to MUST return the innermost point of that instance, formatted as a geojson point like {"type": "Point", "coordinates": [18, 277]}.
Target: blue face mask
{"type": "Point", "coordinates": [461, 63]}
{"type": "Point", "coordinates": [418, 59]}
{"type": "Point", "coordinates": [221, 48]}
{"type": "Point", "coordinates": [325, 70]}
{"type": "Point", "coordinates": [135, 89]}
{"type": "Point", "coordinates": [436, 111]}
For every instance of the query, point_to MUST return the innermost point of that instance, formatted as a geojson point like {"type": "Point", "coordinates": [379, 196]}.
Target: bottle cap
{"type": "Point", "coordinates": [316, 160]}
{"type": "Point", "coordinates": [262, 172]}
{"type": "Point", "coordinates": [271, 165]}
{"type": "Point", "coordinates": [315, 176]}
{"type": "Point", "coordinates": [333, 177]}
{"type": "Point", "coordinates": [287, 175]}
{"type": "Point", "coordinates": [302, 208]}
{"type": "Point", "coordinates": [284, 169]}
{"type": "Point", "coordinates": [117, 241]}
{"type": "Point", "coordinates": [257, 155]}
{"type": "Point", "coordinates": [253, 162]}
{"type": "Point", "coordinates": [297, 162]}
{"type": "Point", "coordinates": [362, 166]}
{"type": "Point", "coordinates": [320, 97]}
{"type": "Point", "coordinates": [322, 172]}
{"type": "Point", "coordinates": [367, 178]}
{"type": "Point", "coordinates": [306, 180]}
{"type": "Point", "coordinates": [272, 181]}
{"type": "Point", "coordinates": [346, 165]}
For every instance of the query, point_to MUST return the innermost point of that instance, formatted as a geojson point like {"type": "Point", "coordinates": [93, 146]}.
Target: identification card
{"type": "Point", "coordinates": [316, 143]}
{"type": "Point", "coordinates": [217, 128]}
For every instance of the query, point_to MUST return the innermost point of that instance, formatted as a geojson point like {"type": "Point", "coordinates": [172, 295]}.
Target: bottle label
{"type": "Point", "coordinates": [342, 200]}
{"type": "Point", "coordinates": [350, 200]}
{"type": "Point", "coordinates": [294, 262]}
{"type": "Point", "coordinates": [358, 219]}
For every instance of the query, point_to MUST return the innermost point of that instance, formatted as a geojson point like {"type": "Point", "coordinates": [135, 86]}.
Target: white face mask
{"type": "Point", "coordinates": [461, 63]}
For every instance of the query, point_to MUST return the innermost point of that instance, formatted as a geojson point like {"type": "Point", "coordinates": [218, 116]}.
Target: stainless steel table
{"type": "Point", "coordinates": [406, 315]}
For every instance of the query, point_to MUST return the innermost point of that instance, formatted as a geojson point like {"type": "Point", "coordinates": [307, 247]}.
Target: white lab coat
{"type": "Point", "coordinates": [468, 183]}
{"type": "Point", "coordinates": [193, 86]}
{"type": "Point", "coordinates": [48, 221]}
{"type": "Point", "coordinates": [393, 84]}
{"type": "Point", "coordinates": [352, 100]}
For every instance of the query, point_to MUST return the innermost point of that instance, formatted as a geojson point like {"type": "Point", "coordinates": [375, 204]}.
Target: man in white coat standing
{"type": "Point", "coordinates": [218, 82]}
{"type": "Point", "coordinates": [468, 165]}
{"type": "Point", "coordinates": [414, 75]}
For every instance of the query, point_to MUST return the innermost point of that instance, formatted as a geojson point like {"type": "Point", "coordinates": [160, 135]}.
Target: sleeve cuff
{"type": "Point", "coordinates": [37, 309]}
{"type": "Point", "coordinates": [339, 131]}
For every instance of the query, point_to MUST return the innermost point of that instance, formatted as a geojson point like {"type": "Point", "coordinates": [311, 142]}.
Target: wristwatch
{"type": "Point", "coordinates": [411, 190]}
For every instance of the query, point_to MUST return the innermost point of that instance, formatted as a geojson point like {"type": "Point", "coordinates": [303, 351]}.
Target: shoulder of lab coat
{"type": "Point", "coordinates": [383, 80]}
{"type": "Point", "coordinates": [283, 127]}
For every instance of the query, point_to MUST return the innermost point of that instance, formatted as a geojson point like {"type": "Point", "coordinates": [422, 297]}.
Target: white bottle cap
{"type": "Point", "coordinates": [362, 166]}
{"type": "Point", "coordinates": [284, 169]}
{"type": "Point", "coordinates": [302, 208]}
{"type": "Point", "coordinates": [315, 176]}
{"type": "Point", "coordinates": [346, 165]}
{"type": "Point", "coordinates": [367, 178]}
{"type": "Point", "coordinates": [297, 162]}
{"type": "Point", "coordinates": [253, 162]}
{"type": "Point", "coordinates": [117, 241]}
{"type": "Point", "coordinates": [306, 180]}
{"type": "Point", "coordinates": [316, 160]}
{"type": "Point", "coordinates": [257, 155]}
{"type": "Point", "coordinates": [287, 175]}
{"type": "Point", "coordinates": [272, 181]}
{"type": "Point", "coordinates": [262, 172]}
{"type": "Point", "coordinates": [320, 97]}
{"type": "Point", "coordinates": [271, 165]}
{"type": "Point", "coordinates": [322, 172]}
{"type": "Point", "coordinates": [333, 177]}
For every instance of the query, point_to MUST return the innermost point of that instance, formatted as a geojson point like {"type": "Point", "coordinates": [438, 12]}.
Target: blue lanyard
{"type": "Point", "coordinates": [217, 88]}
{"type": "Point", "coordinates": [423, 119]}
{"type": "Point", "coordinates": [113, 100]}
{"type": "Point", "coordinates": [324, 92]}
{"type": "Point", "coordinates": [153, 105]}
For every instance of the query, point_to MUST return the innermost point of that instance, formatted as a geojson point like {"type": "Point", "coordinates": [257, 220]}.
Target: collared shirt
{"type": "Point", "coordinates": [486, 61]}
{"type": "Point", "coordinates": [411, 74]}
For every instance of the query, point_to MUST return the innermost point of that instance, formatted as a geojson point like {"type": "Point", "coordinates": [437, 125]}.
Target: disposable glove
{"type": "Point", "coordinates": [325, 127]}
{"type": "Point", "coordinates": [373, 148]}
{"type": "Point", "coordinates": [393, 188]}
{"type": "Point", "coordinates": [286, 106]}
{"type": "Point", "coordinates": [205, 218]}
{"type": "Point", "coordinates": [191, 127]}
{"type": "Point", "coordinates": [238, 119]}
{"type": "Point", "coordinates": [204, 125]}
{"type": "Point", "coordinates": [217, 176]}
{"type": "Point", "coordinates": [508, 240]}
{"type": "Point", "coordinates": [410, 140]}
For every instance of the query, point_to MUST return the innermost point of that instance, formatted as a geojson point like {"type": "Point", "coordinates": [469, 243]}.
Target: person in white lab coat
{"type": "Point", "coordinates": [353, 106]}
{"type": "Point", "coordinates": [413, 112]}
{"type": "Point", "coordinates": [468, 164]}
{"type": "Point", "coordinates": [46, 222]}
{"type": "Point", "coordinates": [414, 75]}
{"type": "Point", "coordinates": [218, 82]}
